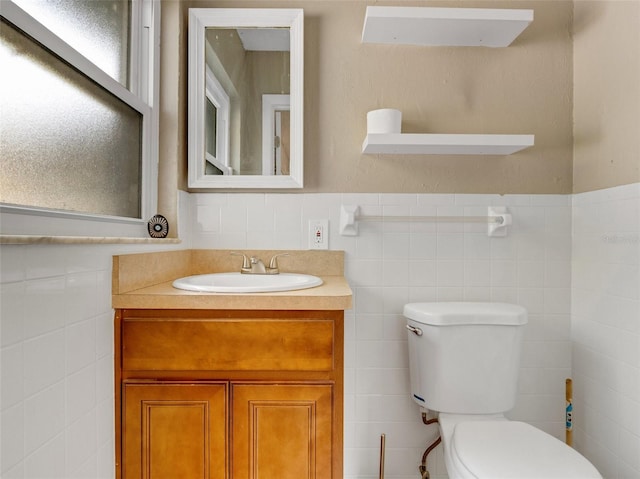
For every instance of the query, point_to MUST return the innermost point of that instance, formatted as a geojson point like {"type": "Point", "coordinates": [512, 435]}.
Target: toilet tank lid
{"type": "Point", "coordinates": [456, 313]}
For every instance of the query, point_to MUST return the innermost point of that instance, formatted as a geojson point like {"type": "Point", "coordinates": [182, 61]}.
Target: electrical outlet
{"type": "Point", "coordinates": [318, 234]}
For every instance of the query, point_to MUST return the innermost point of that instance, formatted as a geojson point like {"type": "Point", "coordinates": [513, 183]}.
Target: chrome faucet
{"type": "Point", "coordinates": [255, 265]}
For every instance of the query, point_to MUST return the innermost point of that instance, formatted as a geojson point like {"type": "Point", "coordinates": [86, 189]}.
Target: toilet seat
{"type": "Point", "coordinates": [512, 449]}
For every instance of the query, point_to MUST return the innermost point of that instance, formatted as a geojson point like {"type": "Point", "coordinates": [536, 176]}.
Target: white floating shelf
{"type": "Point", "coordinates": [430, 26]}
{"type": "Point", "coordinates": [444, 144]}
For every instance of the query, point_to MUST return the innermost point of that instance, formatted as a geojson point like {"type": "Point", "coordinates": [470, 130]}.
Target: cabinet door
{"type": "Point", "coordinates": [174, 431]}
{"type": "Point", "coordinates": [281, 431]}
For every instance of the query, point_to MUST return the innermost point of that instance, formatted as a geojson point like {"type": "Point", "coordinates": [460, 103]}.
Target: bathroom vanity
{"type": "Point", "coordinates": [219, 386]}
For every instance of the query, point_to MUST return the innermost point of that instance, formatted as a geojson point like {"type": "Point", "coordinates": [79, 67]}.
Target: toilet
{"type": "Point", "coordinates": [464, 359]}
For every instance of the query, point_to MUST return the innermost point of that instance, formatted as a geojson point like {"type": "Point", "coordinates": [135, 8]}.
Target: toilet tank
{"type": "Point", "coordinates": [464, 357]}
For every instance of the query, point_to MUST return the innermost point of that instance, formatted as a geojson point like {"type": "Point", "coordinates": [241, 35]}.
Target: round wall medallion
{"type": "Point", "coordinates": [158, 227]}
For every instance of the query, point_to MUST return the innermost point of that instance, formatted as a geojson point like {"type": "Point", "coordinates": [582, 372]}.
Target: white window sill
{"type": "Point", "coordinates": [34, 239]}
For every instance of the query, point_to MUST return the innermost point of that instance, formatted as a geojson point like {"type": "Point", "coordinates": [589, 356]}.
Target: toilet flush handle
{"type": "Point", "coordinates": [414, 330]}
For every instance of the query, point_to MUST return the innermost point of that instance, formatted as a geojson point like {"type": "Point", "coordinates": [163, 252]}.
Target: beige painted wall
{"type": "Point", "coordinates": [173, 126]}
{"type": "Point", "coordinates": [606, 94]}
{"type": "Point", "coordinates": [522, 89]}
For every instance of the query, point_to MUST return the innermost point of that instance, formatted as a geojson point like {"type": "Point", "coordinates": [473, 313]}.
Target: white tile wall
{"type": "Point", "coordinates": [606, 328]}
{"type": "Point", "coordinates": [56, 359]}
{"type": "Point", "coordinates": [391, 264]}
{"type": "Point", "coordinates": [52, 308]}
{"type": "Point", "coordinates": [57, 397]}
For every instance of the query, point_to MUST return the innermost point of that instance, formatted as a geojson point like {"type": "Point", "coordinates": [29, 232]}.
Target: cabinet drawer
{"type": "Point", "coordinates": [227, 345]}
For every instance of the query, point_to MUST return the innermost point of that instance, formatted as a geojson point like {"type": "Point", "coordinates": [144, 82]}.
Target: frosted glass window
{"type": "Point", "coordinates": [65, 142]}
{"type": "Point", "coordinates": [99, 30]}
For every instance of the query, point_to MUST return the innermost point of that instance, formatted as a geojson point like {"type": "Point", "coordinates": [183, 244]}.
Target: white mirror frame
{"type": "Point", "coordinates": [199, 20]}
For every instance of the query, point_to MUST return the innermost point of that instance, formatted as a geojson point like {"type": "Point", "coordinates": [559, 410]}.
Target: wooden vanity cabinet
{"type": "Point", "coordinates": [229, 394]}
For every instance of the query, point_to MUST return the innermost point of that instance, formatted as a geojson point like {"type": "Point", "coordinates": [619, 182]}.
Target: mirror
{"type": "Point", "coordinates": [245, 98]}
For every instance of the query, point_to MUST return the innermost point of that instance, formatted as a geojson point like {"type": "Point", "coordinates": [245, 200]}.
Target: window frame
{"type": "Point", "coordinates": [215, 93]}
{"type": "Point", "coordinates": [142, 95]}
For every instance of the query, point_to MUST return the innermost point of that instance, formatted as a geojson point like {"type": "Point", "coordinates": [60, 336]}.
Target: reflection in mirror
{"type": "Point", "coordinates": [216, 153]}
{"type": "Point", "coordinates": [253, 63]}
{"type": "Point", "coordinates": [275, 134]}
{"type": "Point", "coordinates": [245, 118]}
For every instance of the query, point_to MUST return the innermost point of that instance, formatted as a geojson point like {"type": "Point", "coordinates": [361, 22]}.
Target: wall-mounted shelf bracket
{"type": "Point", "coordinates": [497, 220]}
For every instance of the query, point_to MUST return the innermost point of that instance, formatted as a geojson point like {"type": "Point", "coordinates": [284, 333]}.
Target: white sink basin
{"type": "Point", "coordinates": [246, 283]}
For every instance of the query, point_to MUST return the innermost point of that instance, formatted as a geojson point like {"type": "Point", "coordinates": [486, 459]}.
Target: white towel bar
{"type": "Point", "coordinates": [497, 220]}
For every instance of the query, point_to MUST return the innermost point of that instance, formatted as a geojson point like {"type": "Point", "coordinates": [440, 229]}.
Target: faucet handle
{"type": "Point", "coordinates": [273, 264]}
{"type": "Point", "coordinates": [245, 260]}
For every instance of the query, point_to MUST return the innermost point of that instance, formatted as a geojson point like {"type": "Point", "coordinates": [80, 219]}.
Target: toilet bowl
{"type": "Point", "coordinates": [464, 360]}
{"type": "Point", "coordinates": [493, 447]}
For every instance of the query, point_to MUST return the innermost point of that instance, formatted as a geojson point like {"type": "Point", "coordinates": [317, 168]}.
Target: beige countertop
{"type": "Point", "coordinates": [143, 281]}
